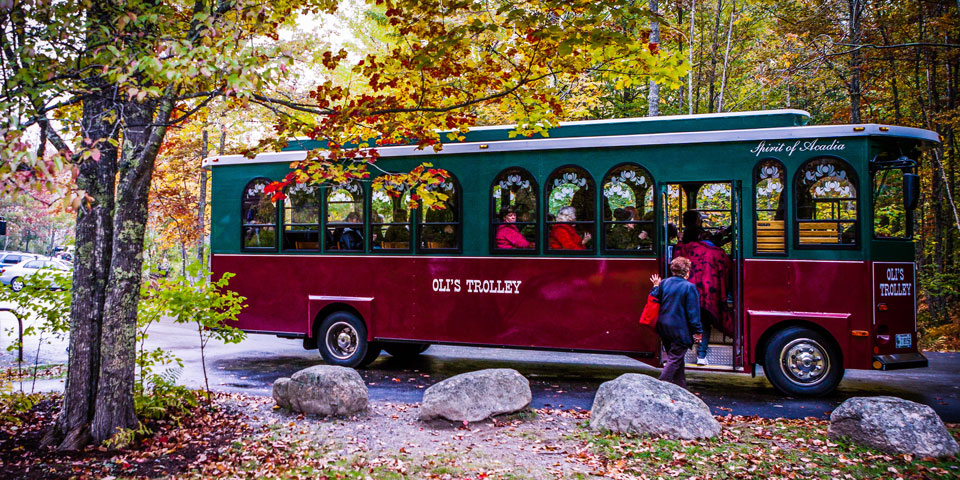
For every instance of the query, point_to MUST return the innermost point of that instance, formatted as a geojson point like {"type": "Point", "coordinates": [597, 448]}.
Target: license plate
{"type": "Point", "coordinates": [904, 340]}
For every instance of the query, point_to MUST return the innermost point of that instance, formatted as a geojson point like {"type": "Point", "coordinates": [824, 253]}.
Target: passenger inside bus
{"type": "Point", "coordinates": [397, 236]}
{"type": "Point", "coordinates": [563, 236]}
{"type": "Point", "coordinates": [646, 234]}
{"type": "Point", "coordinates": [508, 235]}
{"type": "Point", "coordinates": [438, 229]}
{"type": "Point", "coordinates": [624, 236]}
{"type": "Point", "coordinates": [710, 271]}
{"type": "Point", "coordinates": [351, 238]}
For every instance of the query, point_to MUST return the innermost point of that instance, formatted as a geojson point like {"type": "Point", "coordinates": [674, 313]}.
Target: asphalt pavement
{"type": "Point", "coordinates": [560, 380]}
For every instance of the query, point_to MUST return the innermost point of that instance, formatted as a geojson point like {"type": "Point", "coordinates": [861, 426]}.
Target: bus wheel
{"type": "Point", "coordinates": [405, 351]}
{"type": "Point", "coordinates": [373, 353]}
{"type": "Point", "coordinates": [802, 362]}
{"type": "Point", "coordinates": [343, 340]}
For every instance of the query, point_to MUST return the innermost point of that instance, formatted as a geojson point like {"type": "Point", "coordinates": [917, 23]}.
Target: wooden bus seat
{"type": "Point", "coordinates": [770, 236]}
{"type": "Point", "coordinates": [396, 245]}
{"type": "Point", "coordinates": [306, 245]}
{"type": "Point", "coordinates": [819, 232]}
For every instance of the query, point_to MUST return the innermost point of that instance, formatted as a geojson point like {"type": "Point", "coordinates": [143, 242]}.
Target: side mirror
{"type": "Point", "coordinates": [911, 190]}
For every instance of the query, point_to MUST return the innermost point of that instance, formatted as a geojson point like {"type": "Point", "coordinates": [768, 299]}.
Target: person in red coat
{"type": "Point", "coordinates": [508, 235]}
{"type": "Point", "coordinates": [563, 236]}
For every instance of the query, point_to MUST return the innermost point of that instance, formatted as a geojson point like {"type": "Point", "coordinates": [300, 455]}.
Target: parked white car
{"type": "Point", "coordinates": [13, 258]}
{"type": "Point", "coordinates": [13, 275]}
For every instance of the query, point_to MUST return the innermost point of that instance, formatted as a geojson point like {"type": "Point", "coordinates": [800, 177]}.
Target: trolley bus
{"type": "Point", "coordinates": [818, 223]}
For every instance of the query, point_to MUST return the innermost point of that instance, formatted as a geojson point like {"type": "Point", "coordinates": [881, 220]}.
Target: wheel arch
{"type": "Point", "coordinates": [331, 308]}
{"type": "Point", "coordinates": [319, 307]}
{"type": "Point", "coordinates": [760, 349]}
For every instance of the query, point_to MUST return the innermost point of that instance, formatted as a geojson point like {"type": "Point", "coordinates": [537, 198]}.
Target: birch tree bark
{"type": "Point", "coordinates": [653, 97]}
{"type": "Point", "coordinates": [726, 59]}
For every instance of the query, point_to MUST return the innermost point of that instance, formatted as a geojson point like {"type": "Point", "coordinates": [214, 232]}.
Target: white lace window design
{"type": "Point", "coordinates": [826, 203]}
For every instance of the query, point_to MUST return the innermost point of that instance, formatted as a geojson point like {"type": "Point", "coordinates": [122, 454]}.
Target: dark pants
{"type": "Point", "coordinates": [673, 369]}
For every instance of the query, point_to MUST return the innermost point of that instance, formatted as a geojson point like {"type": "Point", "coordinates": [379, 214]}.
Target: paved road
{"type": "Point", "coordinates": [557, 379]}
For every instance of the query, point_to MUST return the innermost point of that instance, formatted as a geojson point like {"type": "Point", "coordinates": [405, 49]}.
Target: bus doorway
{"type": "Point", "coordinates": [701, 222]}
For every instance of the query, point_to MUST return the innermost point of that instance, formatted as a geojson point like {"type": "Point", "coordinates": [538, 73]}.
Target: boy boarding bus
{"type": "Point", "coordinates": [547, 243]}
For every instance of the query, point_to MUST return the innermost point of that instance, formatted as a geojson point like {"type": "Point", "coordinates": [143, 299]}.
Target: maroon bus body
{"type": "Point", "coordinates": [574, 304]}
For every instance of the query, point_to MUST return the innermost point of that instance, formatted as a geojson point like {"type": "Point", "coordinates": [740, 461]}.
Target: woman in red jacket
{"type": "Point", "coordinates": [563, 236]}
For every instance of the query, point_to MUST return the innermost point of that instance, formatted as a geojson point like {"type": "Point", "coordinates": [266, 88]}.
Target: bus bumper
{"type": "Point", "coordinates": [897, 361]}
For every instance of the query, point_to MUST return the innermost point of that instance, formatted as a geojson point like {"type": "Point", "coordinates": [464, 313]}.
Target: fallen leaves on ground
{"type": "Point", "coordinates": [245, 437]}
{"type": "Point", "coordinates": [174, 447]}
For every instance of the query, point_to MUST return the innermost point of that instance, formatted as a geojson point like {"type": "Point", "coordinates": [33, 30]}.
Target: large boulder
{"type": "Point", "coordinates": [635, 403]}
{"type": "Point", "coordinates": [322, 390]}
{"type": "Point", "coordinates": [475, 396]}
{"type": "Point", "coordinates": [892, 425]}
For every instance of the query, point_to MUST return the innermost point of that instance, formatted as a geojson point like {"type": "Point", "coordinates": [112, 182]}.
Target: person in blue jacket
{"type": "Point", "coordinates": [678, 322]}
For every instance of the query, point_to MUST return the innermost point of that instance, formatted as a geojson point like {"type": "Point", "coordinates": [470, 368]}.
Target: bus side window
{"type": "Point", "coordinates": [258, 217]}
{"type": "Point", "coordinates": [345, 217]}
{"type": "Point", "coordinates": [628, 216]}
{"type": "Point", "coordinates": [570, 198]}
{"type": "Point", "coordinates": [513, 219]}
{"type": "Point", "coordinates": [826, 194]}
{"type": "Point", "coordinates": [301, 218]}
{"type": "Point", "coordinates": [769, 183]}
{"type": "Point", "coordinates": [390, 220]}
{"type": "Point", "coordinates": [440, 227]}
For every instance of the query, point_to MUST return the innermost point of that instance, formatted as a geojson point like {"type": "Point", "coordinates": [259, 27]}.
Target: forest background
{"type": "Point", "coordinates": [844, 61]}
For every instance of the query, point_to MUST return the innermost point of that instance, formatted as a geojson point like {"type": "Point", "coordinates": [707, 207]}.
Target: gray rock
{"type": "Point", "coordinates": [892, 425]}
{"type": "Point", "coordinates": [635, 403]}
{"type": "Point", "coordinates": [475, 396]}
{"type": "Point", "coordinates": [322, 390]}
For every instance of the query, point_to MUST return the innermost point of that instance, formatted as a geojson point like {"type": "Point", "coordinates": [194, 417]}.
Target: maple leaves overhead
{"type": "Point", "coordinates": [446, 61]}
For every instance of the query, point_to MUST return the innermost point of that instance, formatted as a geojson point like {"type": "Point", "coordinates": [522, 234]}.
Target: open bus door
{"type": "Point", "coordinates": [719, 203]}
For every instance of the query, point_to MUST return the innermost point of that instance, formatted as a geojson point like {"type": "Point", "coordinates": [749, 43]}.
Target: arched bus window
{"type": "Point", "coordinates": [259, 216]}
{"type": "Point", "coordinates": [513, 216]}
{"type": "Point", "coordinates": [344, 228]}
{"type": "Point", "coordinates": [390, 221]}
{"type": "Point", "coordinates": [570, 197]}
{"type": "Point", "coordinates": [301, 218]}
{"type": "Point", "coordinates": [440, 227]}
{"type": "Point", "coordinates": [628, 216]}
{"type": "Point", "coordinates": [770, 185]}
{"type": "Point", "coordinates": [826, 193]}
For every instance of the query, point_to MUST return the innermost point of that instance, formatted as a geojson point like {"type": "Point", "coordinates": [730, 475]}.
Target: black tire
{"type": "Point", "coordinates": [373, 353]}
{"type": "Point", "coordinates": [405, 351]}
{"type": "Point", "coordinates": [342, 340]}
{"type": "Point", "coordinates": [801, 362]}
{"type": "Point", "coordinates": [16, 284]}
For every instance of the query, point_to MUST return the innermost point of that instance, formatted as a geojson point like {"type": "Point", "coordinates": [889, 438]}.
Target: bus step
{"type": "Point", "coordinates": [718, 357]}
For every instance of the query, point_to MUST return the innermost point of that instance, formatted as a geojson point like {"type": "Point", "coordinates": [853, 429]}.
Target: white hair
{"type": "Point", "coordinates": [567, 214]}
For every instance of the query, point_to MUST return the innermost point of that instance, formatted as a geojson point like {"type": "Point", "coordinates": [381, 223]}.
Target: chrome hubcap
{"type": "Point", "coordinates": [804, 361]}
{"type": "Point", "coordinates": [342, 341]}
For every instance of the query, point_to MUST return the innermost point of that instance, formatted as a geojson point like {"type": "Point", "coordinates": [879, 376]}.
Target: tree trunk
{"type": "Point", "coordinates": [726, 61]}
{"type": "Point", "coordinates": [94, 245]}
{"type": "Point", "coordinates": [856, 32]}
{"type": "Point", "coordinates": [711, 98]}
{"type": "Point", "coordinates": [693, 17]}
{"type": "Point", "coordinates": [696, 100]}
{"type": "Point", "coordinates": [114, 407]}
{"type": "Point", "coordinates": [202, 201]}
{"type": "Point", "coordinates": [653, 98]}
